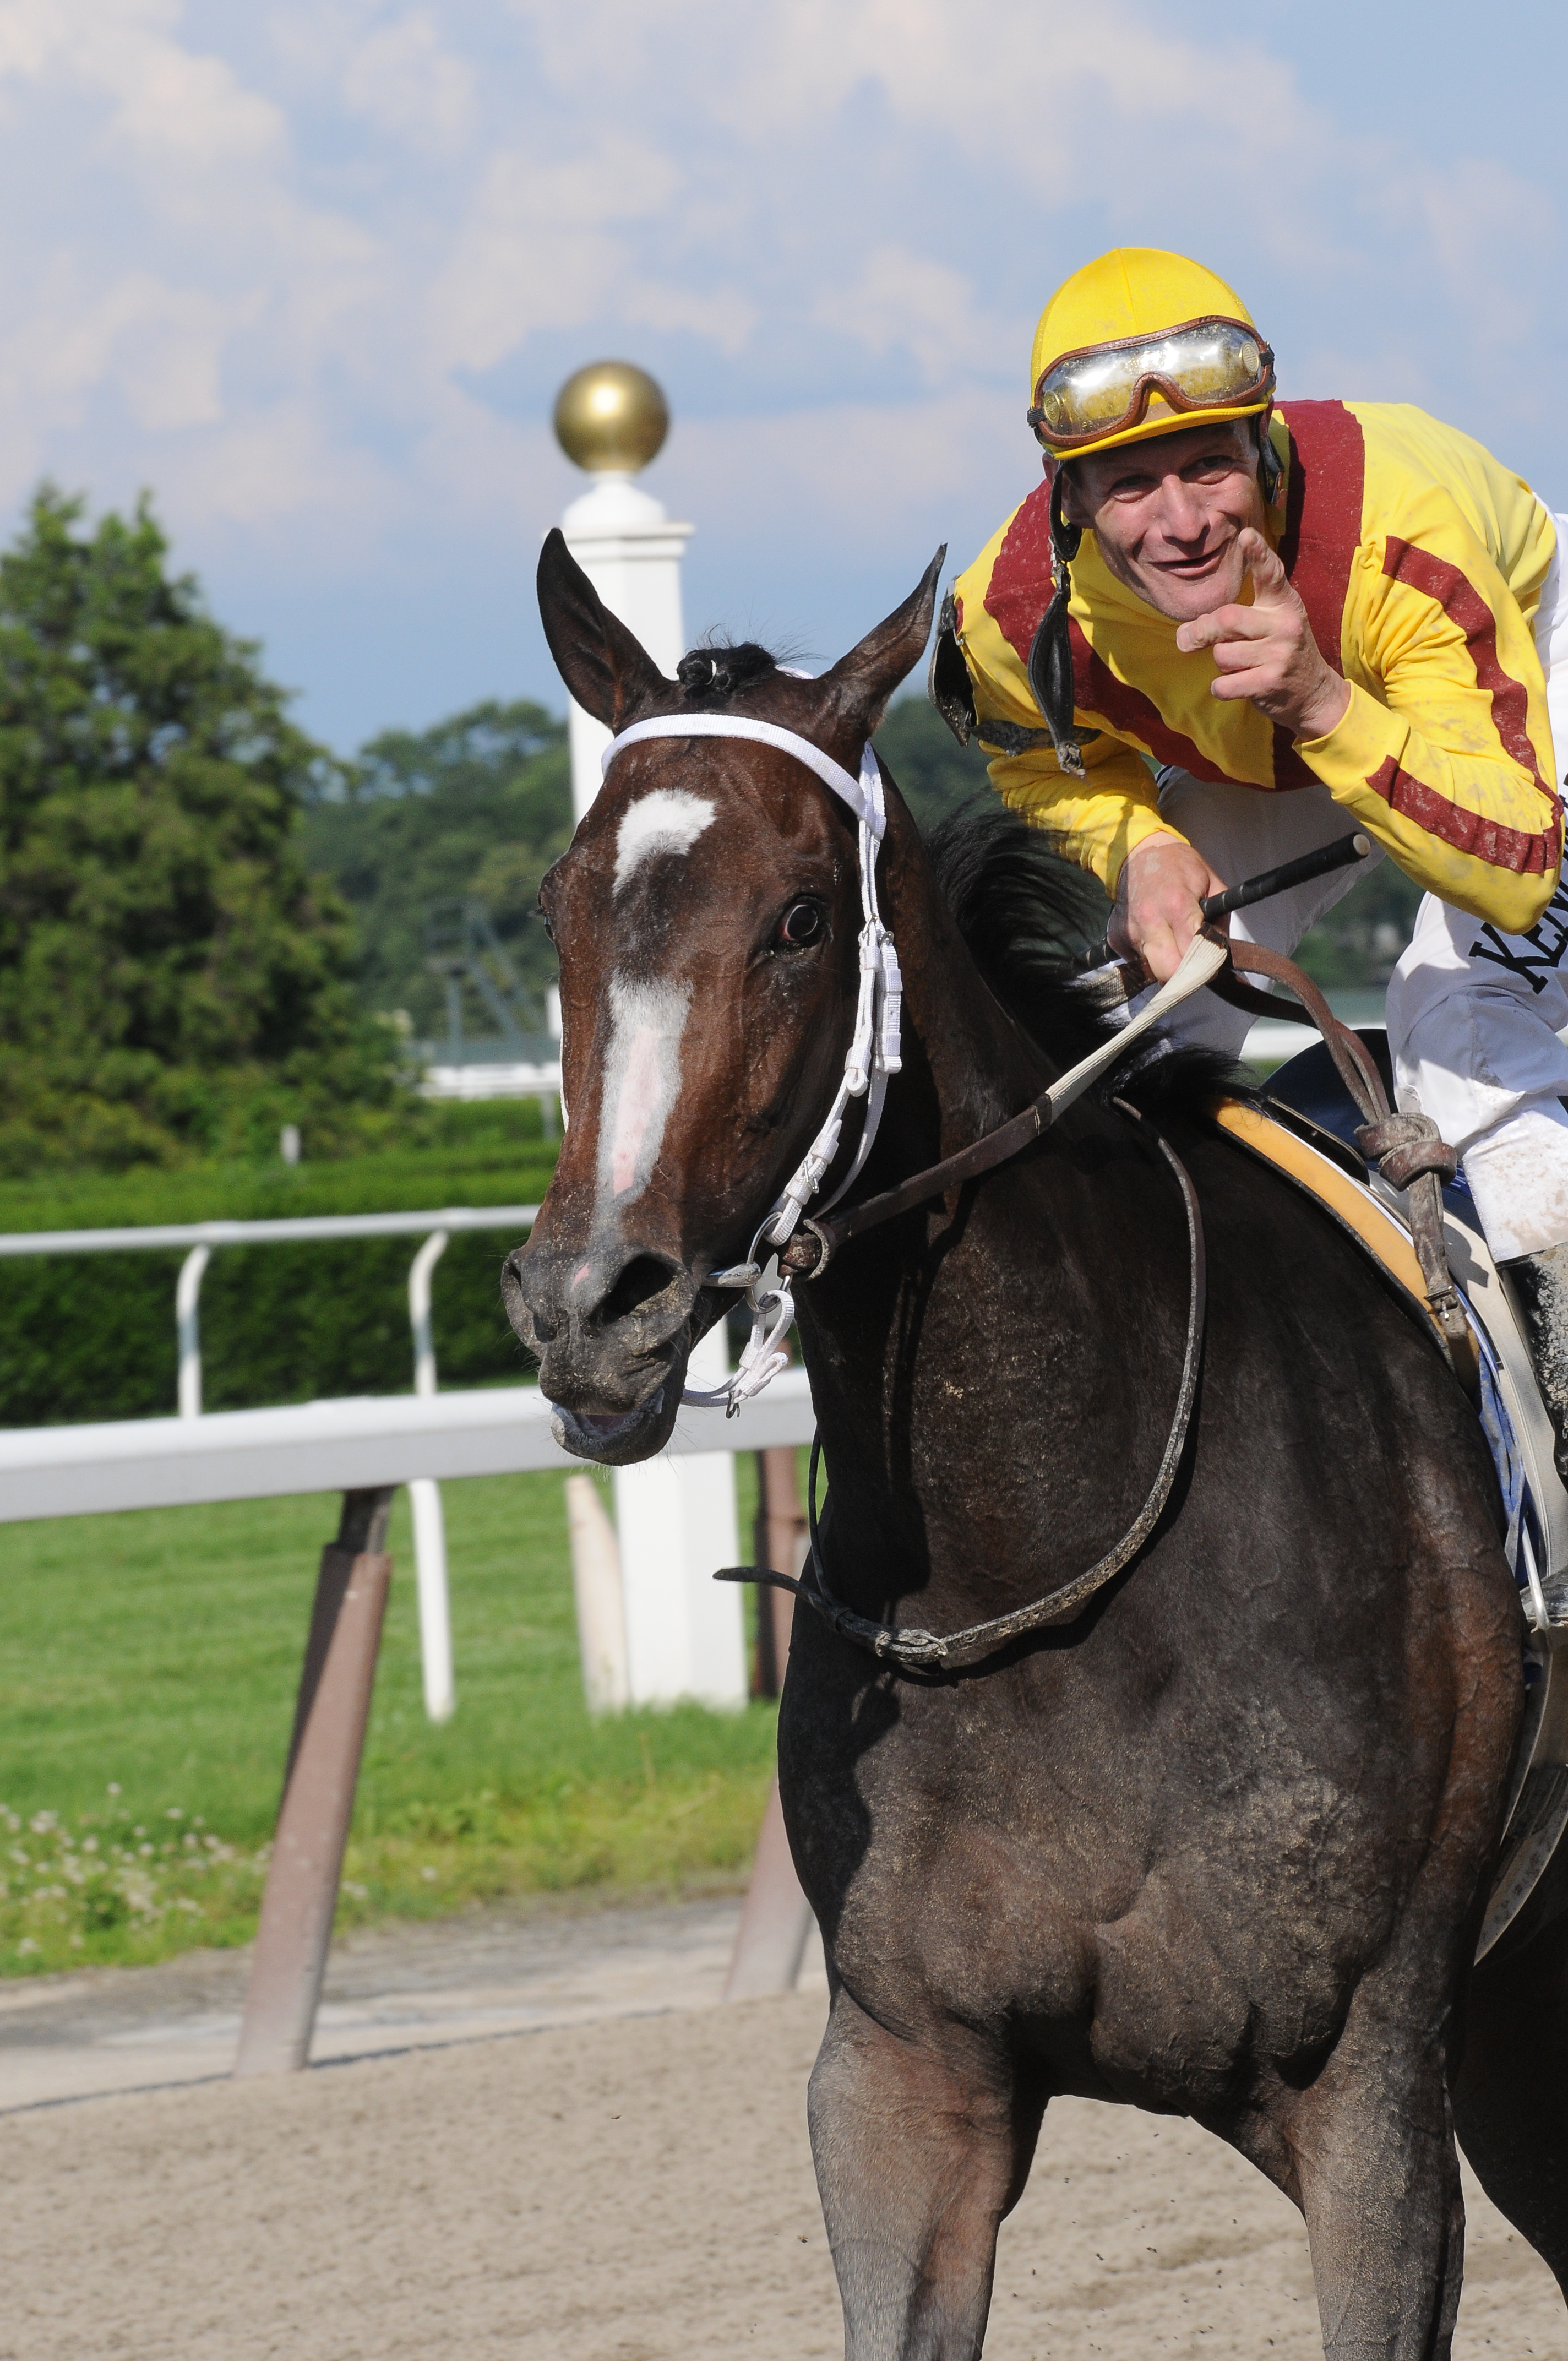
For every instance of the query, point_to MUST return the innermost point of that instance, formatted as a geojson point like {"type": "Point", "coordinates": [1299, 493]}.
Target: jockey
{"type": "Point", "coordinates": [1242, 625]}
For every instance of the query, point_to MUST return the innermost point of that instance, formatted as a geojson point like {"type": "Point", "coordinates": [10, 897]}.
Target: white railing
{"type": "Point", "coordinates": [355, 1445]}
{"type": "Point", "coordinates": [199, 1239]}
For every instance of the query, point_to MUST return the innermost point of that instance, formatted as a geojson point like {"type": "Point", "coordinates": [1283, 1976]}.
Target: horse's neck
{"type": "Point", "coordinates": [1092, 1206]}
{"type": "Point", "coordinates": [967, 1066]}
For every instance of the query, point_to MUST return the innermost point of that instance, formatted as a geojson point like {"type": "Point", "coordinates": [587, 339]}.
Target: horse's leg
{"type": "Point", "coordinates": [919, 2155]}
{"type": "Point", "coordinates": [1367, 2150]}
{"type": "Point", "coordinates": [1510, 2096]}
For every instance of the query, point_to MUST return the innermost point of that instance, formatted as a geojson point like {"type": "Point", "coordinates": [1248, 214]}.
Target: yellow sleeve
{"type": "Point", "coordinates": [1444, 751]}
{"type": "Point", "coordinates": [1095, 821]}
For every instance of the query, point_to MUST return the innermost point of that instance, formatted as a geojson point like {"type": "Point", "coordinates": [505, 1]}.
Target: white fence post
{"type": "Point", "coordinates": [596, 1584]}
{"type": "Point", "coordinates": [424, 1504]}
{"type": "Point", "coordinates": [685, 1634]}
{"type": "Point", "coordinates": [187, 1323]}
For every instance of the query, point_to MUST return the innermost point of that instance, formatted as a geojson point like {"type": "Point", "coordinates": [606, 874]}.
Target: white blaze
{"type": "Point", "coordinates": [643, 1076]}
{"type": "Point", "coordinates": [668, 820]}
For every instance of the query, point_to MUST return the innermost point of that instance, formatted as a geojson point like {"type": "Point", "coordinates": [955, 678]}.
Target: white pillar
{"type": "Point", "coordinates": [631, 552]}
{"type": "Point", "coordinates": [684, 1632]}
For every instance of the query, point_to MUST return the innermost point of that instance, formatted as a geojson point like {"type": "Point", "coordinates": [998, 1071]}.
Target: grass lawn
{"type": "Point", "coordinates": [147, 1669]}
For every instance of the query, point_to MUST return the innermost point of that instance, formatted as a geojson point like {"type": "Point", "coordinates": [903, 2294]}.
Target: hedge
{"type": "Point", "coordinates": [91, 1336]}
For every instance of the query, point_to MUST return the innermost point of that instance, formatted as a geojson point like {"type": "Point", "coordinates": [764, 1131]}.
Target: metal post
{"type": "Point", "coordinates": [187, 1323]}
{"type": "Point", "coordinates": [318, 1791]}
{"type": "Point", "coordinates": [424, 1503]}
{"type": "Point", "coordinates": [780, 1543]}
{"type": "Point", "coordinates": [776, 1919]}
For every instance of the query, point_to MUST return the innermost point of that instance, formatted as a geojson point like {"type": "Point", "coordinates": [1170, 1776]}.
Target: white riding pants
{"type": "Point", "coordinates": [1474, 1016]}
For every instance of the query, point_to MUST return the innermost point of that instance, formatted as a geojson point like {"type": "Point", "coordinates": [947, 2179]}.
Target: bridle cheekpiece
{"type": "Point", "coordinates": [873, 1056]}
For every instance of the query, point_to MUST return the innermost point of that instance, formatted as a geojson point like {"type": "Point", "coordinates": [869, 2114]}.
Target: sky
{"type": "Point", "coordinates": [311, 271]}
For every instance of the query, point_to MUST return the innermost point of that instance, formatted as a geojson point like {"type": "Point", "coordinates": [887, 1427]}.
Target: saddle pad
{"type": "Point", "coordinates": [1350, 1202]}
{"type": "Point", "coordinates": [1530, 1884]}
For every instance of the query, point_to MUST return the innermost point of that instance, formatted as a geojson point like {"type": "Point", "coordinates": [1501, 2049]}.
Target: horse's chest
{"type": "Point", "coordinates": [1072, 1917]}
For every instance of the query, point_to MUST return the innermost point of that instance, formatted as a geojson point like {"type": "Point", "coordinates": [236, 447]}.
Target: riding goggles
{"type": "Point", "coordinates": [1099, 393]}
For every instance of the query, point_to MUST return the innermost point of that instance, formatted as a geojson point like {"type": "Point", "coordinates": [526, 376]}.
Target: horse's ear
{"type": "Point", "coordinates": [606, 668]}
{"type": "Point", "coordinates": [868, 676]}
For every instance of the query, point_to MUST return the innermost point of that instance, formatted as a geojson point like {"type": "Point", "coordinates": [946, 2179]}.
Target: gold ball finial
{"type": "Point", "coordinates": [611, 418]}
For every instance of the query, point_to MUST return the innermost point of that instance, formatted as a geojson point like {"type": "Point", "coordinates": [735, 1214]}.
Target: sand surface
{"type": "Point", "coordinates": [624, 2191]}
{"type": "Point", "coordinates": [395, 1987]}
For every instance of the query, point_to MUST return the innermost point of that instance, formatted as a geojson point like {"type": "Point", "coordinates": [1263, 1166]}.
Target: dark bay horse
{"type": "Point", "coordinates": [1219, 1846]}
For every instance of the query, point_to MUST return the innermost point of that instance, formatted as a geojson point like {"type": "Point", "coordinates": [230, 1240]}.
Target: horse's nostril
{"type": "Point", "coordinates": [537, 1322]}
{"type": "Point", "coordinates": [641, 1280]}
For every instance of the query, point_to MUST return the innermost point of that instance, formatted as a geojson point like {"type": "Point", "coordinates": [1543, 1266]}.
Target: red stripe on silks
{"type": "Point", "coordinates": [1289, 769]}
{"type": "Point", "coordinates": [1483, 840]}
{"type": "Point", "coordinates": [1463, 605]}
{"type": "Point", "coordinates": [1096, 690]}
{"type": "Point", "coordinates": [1019, 590]}
{"type": "Point", "coordinates": [1322, 531]}
{"type": "Point", "coordinates": [1323, 514]}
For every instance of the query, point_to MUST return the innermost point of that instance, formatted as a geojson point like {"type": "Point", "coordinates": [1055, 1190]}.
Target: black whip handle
{"type": "Point", "coordinates": [1338, 855]}
{"type": "Point", "coordinates": [1328, 857]}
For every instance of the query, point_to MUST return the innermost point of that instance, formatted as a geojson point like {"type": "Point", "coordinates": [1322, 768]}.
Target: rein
{"type": "Point", "coordinates": [924, 1654]}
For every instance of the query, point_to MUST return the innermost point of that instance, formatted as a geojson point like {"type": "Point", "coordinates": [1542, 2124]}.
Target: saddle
{"type": "Point", "coordinates": [1306, 1128]}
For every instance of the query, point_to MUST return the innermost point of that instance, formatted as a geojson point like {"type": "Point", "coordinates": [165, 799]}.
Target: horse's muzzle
{"type": "Point", "coordinates": [612, 1332]}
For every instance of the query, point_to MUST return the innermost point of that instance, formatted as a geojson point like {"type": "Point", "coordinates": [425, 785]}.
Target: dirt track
{"type": "Point", "coordinates": [618, 2192]}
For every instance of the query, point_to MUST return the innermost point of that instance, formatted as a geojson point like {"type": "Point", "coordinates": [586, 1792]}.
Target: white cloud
{"type": "Point", "coordinates": [402, 78]}
{"type": "Point", "coordinates": [904, 300]}
{"type": "Point", "coordinates": [314, 269]}
{"type": "Point", "coordinates": [538, 249]}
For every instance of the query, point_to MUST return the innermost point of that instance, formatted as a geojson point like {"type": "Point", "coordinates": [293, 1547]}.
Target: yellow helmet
{"type": "Point", "coordinates": [1140, 343]}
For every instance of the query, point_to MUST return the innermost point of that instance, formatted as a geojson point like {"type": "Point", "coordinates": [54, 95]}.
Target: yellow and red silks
{"type": "Point", "coordinates": [1420, 562]}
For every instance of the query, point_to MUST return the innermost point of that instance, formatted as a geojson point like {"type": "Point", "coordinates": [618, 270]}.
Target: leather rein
{"type": "Point", "coordinates": [1409, 1155]}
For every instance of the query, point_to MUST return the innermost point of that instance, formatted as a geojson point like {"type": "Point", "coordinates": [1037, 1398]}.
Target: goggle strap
{"type": "Point", "coordinates": [1050, 651]}
{"type": "Point", "coordinates": [1270, 467]}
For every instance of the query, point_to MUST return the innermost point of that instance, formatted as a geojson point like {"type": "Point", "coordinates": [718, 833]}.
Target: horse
{"type": "Point", "coordinates": [1219, 1844]}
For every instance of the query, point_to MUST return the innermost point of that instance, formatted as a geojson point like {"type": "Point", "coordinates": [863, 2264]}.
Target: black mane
{"type": "Point", "coordinates": [713, 675]}
{"type": "Point", "coordinates": [1023, 911]}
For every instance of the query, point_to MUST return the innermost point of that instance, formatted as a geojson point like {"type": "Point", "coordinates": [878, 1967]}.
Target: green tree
{"type": "Point", "coordinates": [172, 980]}
{"type": "Point", "coordinates": [476, 808]}
{"type": "Point", "coordinates": [935, 773]}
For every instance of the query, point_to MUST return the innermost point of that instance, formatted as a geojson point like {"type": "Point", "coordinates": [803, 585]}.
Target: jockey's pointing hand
{"type": "Point", "coordinates": [1266, 651]}
{"type": "Point", "coordinates": [1157, 913]}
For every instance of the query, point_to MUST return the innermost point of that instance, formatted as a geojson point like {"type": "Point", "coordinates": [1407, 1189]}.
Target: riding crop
{"type": "Point", "coordinates": [1215, 906]}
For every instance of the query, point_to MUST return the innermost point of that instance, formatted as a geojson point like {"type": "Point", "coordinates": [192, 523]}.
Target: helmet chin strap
{"type": "Point", "coordinates": [873, 1056]}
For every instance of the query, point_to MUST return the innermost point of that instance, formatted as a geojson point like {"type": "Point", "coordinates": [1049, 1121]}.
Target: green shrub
{"type": "Point", "coordinates": [91, 1336]}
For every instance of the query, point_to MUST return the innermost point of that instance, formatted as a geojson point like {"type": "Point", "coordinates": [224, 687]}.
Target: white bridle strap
{"type": "Point", "coordinates": [763, 733]}
{"type": "Point", "coordinates": [873, 1052]}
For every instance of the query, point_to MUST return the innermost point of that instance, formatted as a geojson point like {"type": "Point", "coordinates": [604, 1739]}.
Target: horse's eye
{"type": "Point", "coordinates": [803, 923]}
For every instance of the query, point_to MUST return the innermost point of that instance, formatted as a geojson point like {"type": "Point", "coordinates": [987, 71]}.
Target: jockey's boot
{"type": "Point", "coordinates": [1539, 1286]}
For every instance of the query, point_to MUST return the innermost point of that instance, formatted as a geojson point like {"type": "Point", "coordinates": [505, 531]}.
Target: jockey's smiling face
{"type": "Point", "coordinates": [1167, 513]}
